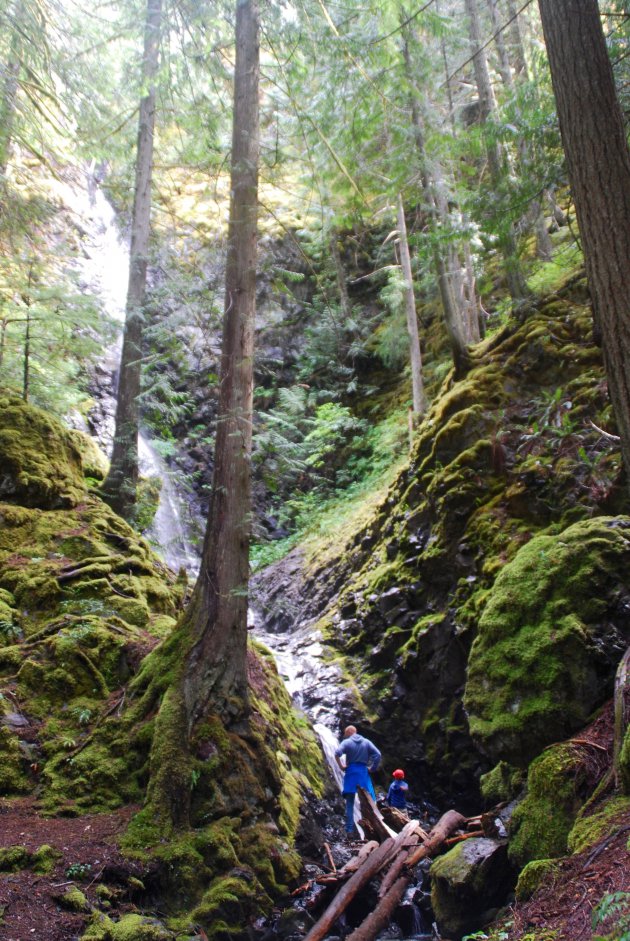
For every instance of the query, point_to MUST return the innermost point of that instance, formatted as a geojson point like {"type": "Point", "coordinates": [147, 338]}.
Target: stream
{"type": "Point", "coordinates": [313, 683]}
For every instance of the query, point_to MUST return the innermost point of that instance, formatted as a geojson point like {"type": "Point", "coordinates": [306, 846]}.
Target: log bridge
{"type": "Point", "coordinates": [392, 856]}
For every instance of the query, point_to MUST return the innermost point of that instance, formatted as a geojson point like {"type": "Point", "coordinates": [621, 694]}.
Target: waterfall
{"type": "Point", "coordinates": [103, 270]}
{"type": "Point", "coordinates": [168, 530]}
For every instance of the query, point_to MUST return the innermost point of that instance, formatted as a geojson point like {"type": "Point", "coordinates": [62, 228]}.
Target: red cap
{"type": "Point", "coordinates": [398, 773]}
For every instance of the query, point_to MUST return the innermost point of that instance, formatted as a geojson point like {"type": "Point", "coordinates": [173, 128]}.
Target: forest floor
{"type": "Point", "coordinates": [29, 902]}
{"type": "Point", "coordinates": [563, 908]}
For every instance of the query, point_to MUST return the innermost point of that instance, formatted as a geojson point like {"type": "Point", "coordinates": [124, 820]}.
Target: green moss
{"type": "Point", "coordinates": [93, 462]}
{"type": "Point", "coordinates": [556, 789]}
{"type": "Point", "coordinates": [535, 874]}
{"type": "Point", "coordinates": [503, 783]}
{"type": "Point", "coordinates": [537, 669]}
{"type": "Point", "coordinates": [129, 928]}
{"type": "Point", "coordinates": [41, 465]}
{"type": "Point", "coordinates": [147, 501]}
{"type": "Point", "coordinates": [74, 900]}
{"type": "Point", "coordinates": [44, 859]}
{"type": "Point", "coordinates": [12, 777]}
{"type": "Point", "coordinates": [229, 900]}
{"type": "Point", "coordinates": [14, 858]}
{"type": "Point", "coordinates": [590, 829]}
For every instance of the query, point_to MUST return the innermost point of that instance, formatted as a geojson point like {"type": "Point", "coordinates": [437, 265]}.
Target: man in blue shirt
{"type": "Point", "coordinates": [362, 756]}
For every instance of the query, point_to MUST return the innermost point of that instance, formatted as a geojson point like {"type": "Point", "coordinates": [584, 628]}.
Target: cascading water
{"type": "Point", "coordinates": [103, 270]}
{"type": "Point", "coordinates": [168, 531]}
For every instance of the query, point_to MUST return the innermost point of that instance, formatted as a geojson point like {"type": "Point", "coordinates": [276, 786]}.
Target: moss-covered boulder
{"type": "Point", "coordinates": [466, 882]}
{"type": "Point", "coordinates": [535, 874]}
{"type": "Point", "coordinates": [557, 786]}
{"type": "Point", "coordinates": [503, 783]}
{"type": "Point", "coordinates": [555, 624]}
{"type": "Point", "coordinates": [93, 461]}
{"type": "Point", "coordinates": [40, 463]}
{"type": "Point", "coordinates": [595, 824]}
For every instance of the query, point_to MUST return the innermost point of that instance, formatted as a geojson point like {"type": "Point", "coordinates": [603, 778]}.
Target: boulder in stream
{"type": "Point", "coordinates": [467, 882]}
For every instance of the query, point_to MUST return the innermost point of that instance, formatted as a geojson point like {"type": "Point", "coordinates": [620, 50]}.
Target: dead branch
{"type": "Point", "coordinates": [372, 818]}
{"type": "Point", "coordinates": [330, 858]}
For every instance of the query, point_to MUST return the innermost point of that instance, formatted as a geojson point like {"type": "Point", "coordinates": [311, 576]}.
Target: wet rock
{"type": "Point", "coordinates": [468, 880]}
{"type": "Point", "coordinates": [294, 923]}
{"type": "Point", "coordinates": [15, 720]}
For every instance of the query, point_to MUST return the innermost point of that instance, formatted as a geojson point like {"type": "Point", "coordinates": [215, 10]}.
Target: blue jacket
{"type": "Point", "coordinates": [359, 750]}
{"type": "Point", "coordinates": [397, 794]}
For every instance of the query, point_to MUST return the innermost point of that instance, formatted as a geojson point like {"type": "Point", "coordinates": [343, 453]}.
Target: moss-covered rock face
{"type": "Point", "coordinates": [40, 462]}
{"type": "Point", "coordinates": [555, 624]}
{"type": "Point", "coordinates": [80, 593]}
{"type": "Point", "coordinates": [503, 456]}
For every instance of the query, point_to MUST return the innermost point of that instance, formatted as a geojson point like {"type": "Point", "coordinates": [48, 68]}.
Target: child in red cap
{"type": "Point", "coordinates": [397, 794]}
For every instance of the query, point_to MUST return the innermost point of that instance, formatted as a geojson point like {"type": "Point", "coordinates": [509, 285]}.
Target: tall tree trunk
{"type": "Point", "coordinates": [519, 59]}
{"type": "Point", "coordinates": [340, 276]}
{"type": "Point", "coordinates": [10, 86]}
{"type": "Point", "coordinates": [598, 161]}
{"type": "Point", "coordinates": [119, 489]}
{"type": "Point", "coordinates": [417, 383]}
{"type": "Point", "coordinates": [507, 240]}
{"type": "Point", "coordinates": [505, 69]}
{"type": "Point", "coordinates": [437, 209]}
{"type": "Point", "coordinates": [216, 667]}
{"type": "Point", "coordinates": [447, 77]}
{"type": "Point", "coordinates": [26, 375]}
{"type": "Point", "coordinates": [535, 217]}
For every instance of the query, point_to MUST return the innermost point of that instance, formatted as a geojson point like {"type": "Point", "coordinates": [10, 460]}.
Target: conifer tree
{"type": "Point", "coordinates": [119, 489]}
{"type": "Point", "coordinates": [598, 161]}
{"type": "Point", "coordinates": [213, 669]}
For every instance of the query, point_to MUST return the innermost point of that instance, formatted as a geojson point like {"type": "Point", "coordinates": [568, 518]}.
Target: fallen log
{"type": "Point", "coordinates": [447, 824]}
{"type": "Point", "coordinates": [339, 875]}
{"type": "Point", "coordinates": [398, 865]}
{"type": "Point", "coordinates": [371, 817]}
{"type": "Point", "coordinates": [382, 914]}
{"type": "Point", "coordinates": [471, 834]}
{"type": "Point", "coordinates": [377, 860]}
{"type": "Point", "coordinates": [393, 817]}
{"type": "Point", "coordinates": [374, 862]}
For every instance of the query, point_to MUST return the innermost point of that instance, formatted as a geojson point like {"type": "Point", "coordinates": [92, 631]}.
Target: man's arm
{"type": "Point", "coordinates": [374, 756]}
{"type": "Point", "coordinates": [339, 751]}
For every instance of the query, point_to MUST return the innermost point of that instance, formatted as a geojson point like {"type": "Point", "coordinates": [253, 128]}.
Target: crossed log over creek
{"type": "Point", "coordinates": [394, 855]}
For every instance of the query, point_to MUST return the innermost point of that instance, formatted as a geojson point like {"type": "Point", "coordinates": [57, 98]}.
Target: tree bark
{"type": "Point", "coordinates": [487, 105]}
{"type": "Point", "coordinates": [119, 489]}
{"type": "Point", "coordinates": [505, 69]}
{"type": "Point", "coordinates": [10, 86]}
{"type": "Point", "coordinates": [437, 209]}
{"type": "Point", "coordinates": [216, 667]}
{"type": "Point", "coordinates": [415, 355]}
{"type": "Point", "coordinates": [622, 711]}
{"type": "Point", "coordinates": [340, 275]}
{"type": "Point", "coordinates": [518, 47]}
{"type": "Point", "coordinates": [598, 161]}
